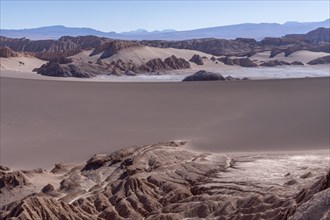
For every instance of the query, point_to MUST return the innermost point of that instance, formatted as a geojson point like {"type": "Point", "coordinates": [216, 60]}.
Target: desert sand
{"type": "Point", "coordinates": [22, 63]}
{"type": "Point", "coordinates": [44, 122]}
{"type": "Point", "coordinates": [301, 56]}
{"type": "Point", "coordinates": [22, 66]}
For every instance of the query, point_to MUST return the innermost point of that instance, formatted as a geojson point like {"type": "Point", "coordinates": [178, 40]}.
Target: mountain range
{"type": "Point", "coordinates": [246, 30]}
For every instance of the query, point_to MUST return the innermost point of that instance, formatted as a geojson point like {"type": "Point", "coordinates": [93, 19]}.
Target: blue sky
{"type": "Point", "coordinates": [156, 15]}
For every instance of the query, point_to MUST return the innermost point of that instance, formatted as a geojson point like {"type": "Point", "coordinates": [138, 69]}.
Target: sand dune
{"type": "Point", "coordinates": [43, 122]}
{"type": "Point", "coordinates": [22, 64]}
{"type": "Point", "coordinates": [14, 67]}
{"type": "Point", "coordinates": [301, 56]}
{"type": "Point", "coordinates": [141, 55]}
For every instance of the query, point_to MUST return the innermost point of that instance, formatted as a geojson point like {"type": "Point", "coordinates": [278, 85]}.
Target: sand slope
{"type": "Point", "coordinates": [301, 56]}
{"type": "Point", "coordinates": [22, 64]}
{"type": "Point", "coordinates": [43, 122]}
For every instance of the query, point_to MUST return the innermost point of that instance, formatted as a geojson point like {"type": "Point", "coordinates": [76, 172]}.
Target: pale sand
{"type": "Point", "coordinates": [23, 64]}
{"type": "Point", "coordinates": [140, 55]}
{"type": "Point", "coordinates": [44, 122]}
{"type": "Point", "coordinates": [302, 56]}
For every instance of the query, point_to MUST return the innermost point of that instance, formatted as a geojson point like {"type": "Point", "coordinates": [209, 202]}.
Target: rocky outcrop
{"type": "Point", "coordinates": [112, 47]}
{"type": "Point", "coordinates": [47, 208]}
{"type": "Point", "coordinates": [155, 65]}
{"type": "Point", "coordinates": [164, 181]}
{"type": "Point", "coordinates": [320, 60]}
{"type": "Point", "coordinates": [272, 63]}
{"type": "Point", "coordinates": [297, 63]}
{"type": "Point", "coordinates": [10, 180]}
{"type": "Point", "coordinates": [176, 63]}
{"type": "Point", "coordinates": [170, 63]}
{"type": "Point", "coordinates": [67, 46]}
{"type": "Point", "coordinates": [217, 47]}
{"type": "Point", "coordinates": [6, 52]}
{"type": "Point", "coordinates": [67, 67]}
{"type": "Point", "coordinates": [72, 69]}
{"type": "Point", "coordinates": [202, 75]}
{"type": "Point", "coordinates": [197, 59]}
{"type": "Point", "coordinates": [26, 45]}
{"type": "Point", "coordinates": [243, 62]}
{"type": "Point", "coordinates": [316, 36]}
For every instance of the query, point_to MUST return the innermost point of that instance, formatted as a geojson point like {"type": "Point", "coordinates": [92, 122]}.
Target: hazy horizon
{"type": "Point", "coordinates": [123, 16]}
{"type": "Point", "coordinates": [142, 29]}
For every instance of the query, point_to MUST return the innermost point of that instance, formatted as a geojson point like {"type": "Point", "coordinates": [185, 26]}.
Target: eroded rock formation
{"type": "Point", "coordinates": [197, 59]}
{"type": "Point", "coordinates": [243, 62]}
{"type": "Point", "coordinates": [7, 52]}
{"type": "Point", "coordinates": [320, 60]}
{"type": "Point", "coordinates": [163, 181]}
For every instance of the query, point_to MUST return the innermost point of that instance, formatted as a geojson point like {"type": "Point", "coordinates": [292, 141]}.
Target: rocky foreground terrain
{"type": "Point", "coordinates": [168, 181]}
{"type": "Point", "coordinates": [103, 56]}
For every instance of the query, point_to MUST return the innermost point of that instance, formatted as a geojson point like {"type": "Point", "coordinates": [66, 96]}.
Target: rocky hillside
{"type": "Point", "coordinates": [317, 41]}
{"type": "Point", "coordinates": [163, 181]}
{"type": "Point", "coordinates": [316, 36]}
{"type": "Point", "coordinates": [6, 52]}
{"type": "Point", "coordinates": [118, 57]}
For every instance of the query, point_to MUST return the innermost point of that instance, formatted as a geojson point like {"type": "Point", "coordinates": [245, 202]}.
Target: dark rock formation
{"type": "Point", "coordinates": [176, 63]}
{"type": "Point", "coordinates": [217, 47]}
{"type": "Point", "coordinates": [4, 168]}
{"type": "Point", "coordinates": [155, 65]}
{"type": "Point", "coordinates": [275, 51]}
{"type": "Point", "coordinates": [67, 46]}
{"type": "Point", "coordinates": [243, 62]}
{"type": "Point", "coordinates": [7, 52]}
{"type": "Point", "coordinates": [197, 59]}
{"type": "Point", "coordinates": [320, 60]}
{"type": "Point", "coordinates": [202, 75]}
{"type": "Point", "coordinates": [79, 69]}
{"type": "Point", "coordinates": [316, 36]}
{"type": "Point", "coordinates": [272, 63]}
{"type": "Point", "coordinates": [48, 188]}
{"type": "Point", "coordinates": [111, 48]}
{"type": "Point", "coordinates": [297, 63]}
{"type": "Point", "coordinates": [10, 180]}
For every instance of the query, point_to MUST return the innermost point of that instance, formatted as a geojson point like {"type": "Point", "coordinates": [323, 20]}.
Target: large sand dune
{"type": "Point", "coordinates": [43, 122]}
{"type": "Point", "coordinates": [303, 56]}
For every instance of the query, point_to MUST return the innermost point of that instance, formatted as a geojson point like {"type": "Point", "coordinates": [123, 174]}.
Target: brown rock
{"type": "Point", "coordinates": [176, 63]}
{"type": "Point", "coordinates": [272, 63]}
{"type": "Point", "coordinates": [7, 52]}
{"type": "Point", "coordinates": [320, 60]}
{"type": "Point", "coordinates": [197, 59]}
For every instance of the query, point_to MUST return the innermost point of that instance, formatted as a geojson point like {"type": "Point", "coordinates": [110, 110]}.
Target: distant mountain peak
{"type": "Point", "coordinates": [246, 30]}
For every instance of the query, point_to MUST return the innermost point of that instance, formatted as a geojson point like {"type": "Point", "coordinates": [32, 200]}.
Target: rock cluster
{"type": "Point", "coordinates": [243, 62]}
{"type": "Point", "coordinates": [66, 67]}
{"type": "Point", "coordinates": [197, 59]}
{"type": "Point", "coordinates": [317, 41]}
